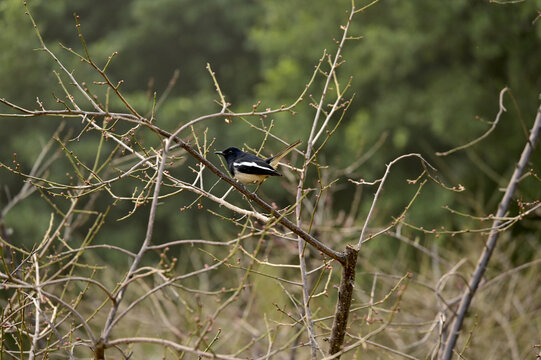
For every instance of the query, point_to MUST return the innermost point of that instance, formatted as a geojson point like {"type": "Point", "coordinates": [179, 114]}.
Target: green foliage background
{"type": "Point", "coordinates": [422, 73]}
{"type": "Point", "coordinates": [425, 75]}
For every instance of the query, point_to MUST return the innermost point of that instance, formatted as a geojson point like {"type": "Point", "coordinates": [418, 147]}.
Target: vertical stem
{"type": "Point", "coordinates": [307, 157]}
{"type": "Point", "coordinates": [345, 295]}
{"type": "Point", "coordinates": [306, 299]}
{"type": "Point", "coordinates": [37, 304]}
{"type": "Point", "coordinates": [492, 239]}
{"type": "Point", "coordinates": [99, 347]}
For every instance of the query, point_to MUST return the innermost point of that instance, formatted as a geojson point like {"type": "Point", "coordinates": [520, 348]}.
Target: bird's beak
{"type": "Point", "coordinates": [219, 153]}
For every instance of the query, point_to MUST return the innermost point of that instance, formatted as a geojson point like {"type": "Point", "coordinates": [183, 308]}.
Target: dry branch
{"type": "Point", "coordinates": [492, 239]}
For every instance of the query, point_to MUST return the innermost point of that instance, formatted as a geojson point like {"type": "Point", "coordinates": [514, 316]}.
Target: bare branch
{"type": "Point", "coordinates": [487, 133]}
{"type": "Point", "coordinates": [492, 239]}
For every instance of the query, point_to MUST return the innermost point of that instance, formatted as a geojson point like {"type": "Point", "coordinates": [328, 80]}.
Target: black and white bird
{"type": "Point", "coordinates": [251, 169]}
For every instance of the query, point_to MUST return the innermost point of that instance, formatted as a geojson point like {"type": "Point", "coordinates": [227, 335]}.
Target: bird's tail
{"type": "Point", "coordinates": [274, 160]}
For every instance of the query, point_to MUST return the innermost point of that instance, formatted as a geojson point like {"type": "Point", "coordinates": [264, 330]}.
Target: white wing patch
{"type": "Point", "coordinates": [252, 164]}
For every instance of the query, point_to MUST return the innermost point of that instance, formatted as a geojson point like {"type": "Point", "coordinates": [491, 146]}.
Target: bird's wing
{"type": "Point", "coordinates": [251, 164]}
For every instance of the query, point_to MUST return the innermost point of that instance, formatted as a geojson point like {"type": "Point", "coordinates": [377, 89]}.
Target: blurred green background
{"type": "Point", "coordinates": [426, 77]}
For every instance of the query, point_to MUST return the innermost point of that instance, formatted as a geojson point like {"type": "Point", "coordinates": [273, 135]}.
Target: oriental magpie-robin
{"type": "Point", "coordinates": [251, 169]}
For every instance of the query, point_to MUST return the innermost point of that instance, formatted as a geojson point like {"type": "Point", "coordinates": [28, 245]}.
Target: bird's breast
{"type": "Point", "coordinates": [250, 178]}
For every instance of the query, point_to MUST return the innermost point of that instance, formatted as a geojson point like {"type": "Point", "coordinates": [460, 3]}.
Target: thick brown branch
{"type": "Point", "coordinates": [341, 257]}
{"type": "Point", "coordinates": [345, 295]}
{"type": "Point", "coordinates": [256, 199]}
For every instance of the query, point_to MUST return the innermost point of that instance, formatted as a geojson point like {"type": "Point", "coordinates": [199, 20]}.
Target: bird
{"type": "Point", "coordinates": [251, 169]}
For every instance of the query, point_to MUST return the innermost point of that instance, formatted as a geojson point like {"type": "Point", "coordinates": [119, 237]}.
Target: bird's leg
{"type": "Point", "coordinates": [257, 188]}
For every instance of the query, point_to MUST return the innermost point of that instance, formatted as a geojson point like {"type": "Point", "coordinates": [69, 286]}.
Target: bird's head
{"type": "Point", "coordinates": [229, 153]}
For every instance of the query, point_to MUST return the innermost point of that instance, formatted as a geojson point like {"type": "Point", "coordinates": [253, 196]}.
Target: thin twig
{"type": "Point", "coordinates": [487, 133]}
{"type": "Point", "coordinates": [172, 345]}
{"type": "Point", "coordinates": [144, 247]}
{"type": "Point", "coordinates": [378, 191]}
